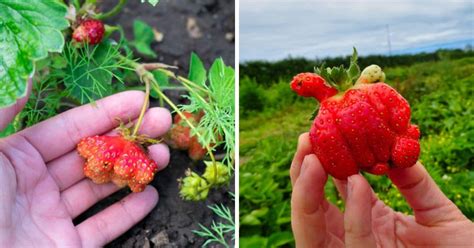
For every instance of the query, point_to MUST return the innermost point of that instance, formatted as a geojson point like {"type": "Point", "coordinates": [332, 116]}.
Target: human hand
{"type": "Point", "coordinates": [42, 185]}
{"type": "Point", "coordinates": [367, 221]}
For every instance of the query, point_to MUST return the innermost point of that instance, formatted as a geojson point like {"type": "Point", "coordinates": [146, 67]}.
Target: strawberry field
{"type": "Point", "coordinates": [439, 87]}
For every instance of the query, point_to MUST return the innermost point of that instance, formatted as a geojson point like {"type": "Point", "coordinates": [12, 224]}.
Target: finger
{"type": "Point", "coordinates": [334, 219]}
{"type": "Point", "coordinates": [429, 204]}
{"type": "Point", "coordinates": [67, 170]}
{"type": "Point", "coordinates": [107, 225]}
{"type": "Point", "coordinates": [160, 153]}
{"type": "Point", "coordinates": [60, 134]}
{"type": "Point", "coordinates": [84, 195]}
{"type": "Point", "coordinates": [303, 149]}
{"type": "Point", "coordinates": [358, 213]}
{"type": "Point", "coordinates": [7, 198]}
{"type": "Point", "coordinates": [307, 214]}
{"type": "Point", "coordinates": [10, 112]}
{"type": "Point", "coordinates": [341, 186]}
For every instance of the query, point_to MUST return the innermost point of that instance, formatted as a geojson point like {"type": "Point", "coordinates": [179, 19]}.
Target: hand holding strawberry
{"type": "Point", "coordinates": [40, 169]}
{"type": "Point", "coordinates": [367, 221]}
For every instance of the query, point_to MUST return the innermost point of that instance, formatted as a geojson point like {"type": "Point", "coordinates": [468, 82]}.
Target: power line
{"type": "Point", "coordinates": [389, 43]}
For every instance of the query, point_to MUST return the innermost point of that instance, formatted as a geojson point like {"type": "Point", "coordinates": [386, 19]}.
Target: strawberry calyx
{"type": "Point", "coordinates": [140, 139]}
{"type": "Point", "coordinates": [339, 77]}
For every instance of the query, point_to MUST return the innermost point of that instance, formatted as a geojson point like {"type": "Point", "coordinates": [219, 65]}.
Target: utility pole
{"type": "Point", "coordinates": [389, 43]}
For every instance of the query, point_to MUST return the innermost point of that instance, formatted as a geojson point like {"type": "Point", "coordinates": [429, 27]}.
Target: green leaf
{"type": "Point", "coordinates": [340, 77]}
{"type": "Point", "coordinates": [253, 242]}
{"type": "Point", "coordinates": [28, 31]}
{"type": "Point", "coordinates": [152, 2]}
{"type": "Point", "coordinates": [161, 78]}
{"type": "Point", "coordinates": [216, 100]}
{"type": "Point", "coordinates": [354, 70]}
{"type": "Point", "coordinates": [279, 239]}
{"type": "Point", "coordinates": [197, 71]}
{"type": "Point", "coordinates": [144, 36]}
{"type": "Point", "coordinates": [10, 129]}
{"type": "Point", "coordinates": [163, 81]}
{"type": "Point", "coordinates": [90, 71]}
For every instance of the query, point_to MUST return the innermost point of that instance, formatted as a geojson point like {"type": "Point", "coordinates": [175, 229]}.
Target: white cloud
{"type": "Point", "coordinates": [274, 29]}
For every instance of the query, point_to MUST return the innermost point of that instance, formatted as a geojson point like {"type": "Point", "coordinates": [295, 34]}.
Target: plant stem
{"type": "Point", "coordinates": [187, 81]}
{"type": "Point", "coordinates": [113, 11]}
{"type": "Point", "coordinates": [145, 105]}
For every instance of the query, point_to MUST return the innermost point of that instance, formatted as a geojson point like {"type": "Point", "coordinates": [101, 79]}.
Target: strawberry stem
{"type": "Point", "coordinates": [114, 11]}
{"type": "Point", "coordinates": [144, 106]}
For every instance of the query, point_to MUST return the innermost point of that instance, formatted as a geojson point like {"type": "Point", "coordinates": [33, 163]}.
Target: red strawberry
{"type": "Point", "coordinates": [365, 126]}
{"type": "Point", "coordinates": [116, 159]}
{"type": "Point", "coordinates": [196, 151]}
{"type": "Point", "coordinates": [179, 137]}
{"type": "Point", "coordinates": [90, 31]}
{"type": "Point", "coordinates": [193, 118]}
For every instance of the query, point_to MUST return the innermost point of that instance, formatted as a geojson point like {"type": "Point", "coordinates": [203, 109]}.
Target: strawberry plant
{"type": "Point", "coordinates": [73, 58]}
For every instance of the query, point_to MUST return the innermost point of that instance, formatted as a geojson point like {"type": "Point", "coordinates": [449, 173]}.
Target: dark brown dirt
{"type": "Point", "coordinates": [171, 222]}
{"type": "Point", "coordinates": [215, 19]}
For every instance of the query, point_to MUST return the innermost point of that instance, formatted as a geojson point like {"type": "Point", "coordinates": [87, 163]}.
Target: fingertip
{"type": "Point", "coordinates": [303, 139]}
{"type": "Point", "coordinates": [312, 161]}
{"type": "Point", "coordinates": [160, 153]}
{"type": "Point", "coordinates": [151, 194]}
{"type": "Point", "coordinates": [358, 186]}
{"type": "Point", "coordinates": [157, 122]}
{"type": "Point", "coordinates": [303, 149]}
{"type": "Point", "coordinates": [163, 116]}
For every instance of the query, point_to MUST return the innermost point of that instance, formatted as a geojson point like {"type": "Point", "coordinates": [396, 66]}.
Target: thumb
{"type": "Point", "coordinates": [7, 114]}
{"type": "Point", "coordinates": [358, 214]}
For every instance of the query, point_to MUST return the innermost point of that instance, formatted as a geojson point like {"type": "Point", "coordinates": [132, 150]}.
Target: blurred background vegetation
{"type": "Point", "coordinates": [440, 89]}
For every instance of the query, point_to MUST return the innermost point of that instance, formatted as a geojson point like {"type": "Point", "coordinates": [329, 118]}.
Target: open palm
{"type": "Point", "coordinates": [367, 221]}
{"type": "Point", "coordinates": [42, 186]}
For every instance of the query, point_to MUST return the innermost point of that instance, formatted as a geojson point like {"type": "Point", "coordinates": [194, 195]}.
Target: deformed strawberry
{"type": "Point", "coordinates": [116, 159]}
{"type": "Point", "coordinates": [362, 126]}
{"type": "Point", "coordinates": [196, 151]}
{"type": "Point", "coordinates": [179, 136]}
{"type": "Point", "coordinates": [90, 31]}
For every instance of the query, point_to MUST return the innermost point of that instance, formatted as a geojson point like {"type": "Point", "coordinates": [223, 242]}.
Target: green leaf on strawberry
{"type": "Point", "coordinates": [28, 31]}
{"type": "Point", "coordinates": [340, 77]}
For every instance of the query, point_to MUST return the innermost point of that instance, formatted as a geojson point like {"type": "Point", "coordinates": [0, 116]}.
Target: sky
{"type": "Point", "coordinates": [277, 29]}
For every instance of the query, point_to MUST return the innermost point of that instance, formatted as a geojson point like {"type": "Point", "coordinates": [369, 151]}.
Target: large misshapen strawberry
{"type": "Point", "coordinates": [362, 126]}
{"type": "Point", "coordinates": [116, 159]}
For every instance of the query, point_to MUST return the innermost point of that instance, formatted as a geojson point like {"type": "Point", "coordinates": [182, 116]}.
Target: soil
{"type": "Point", "coordinates": [172, 221]}
{"type": "Point", "coordinates": [214, 23]}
